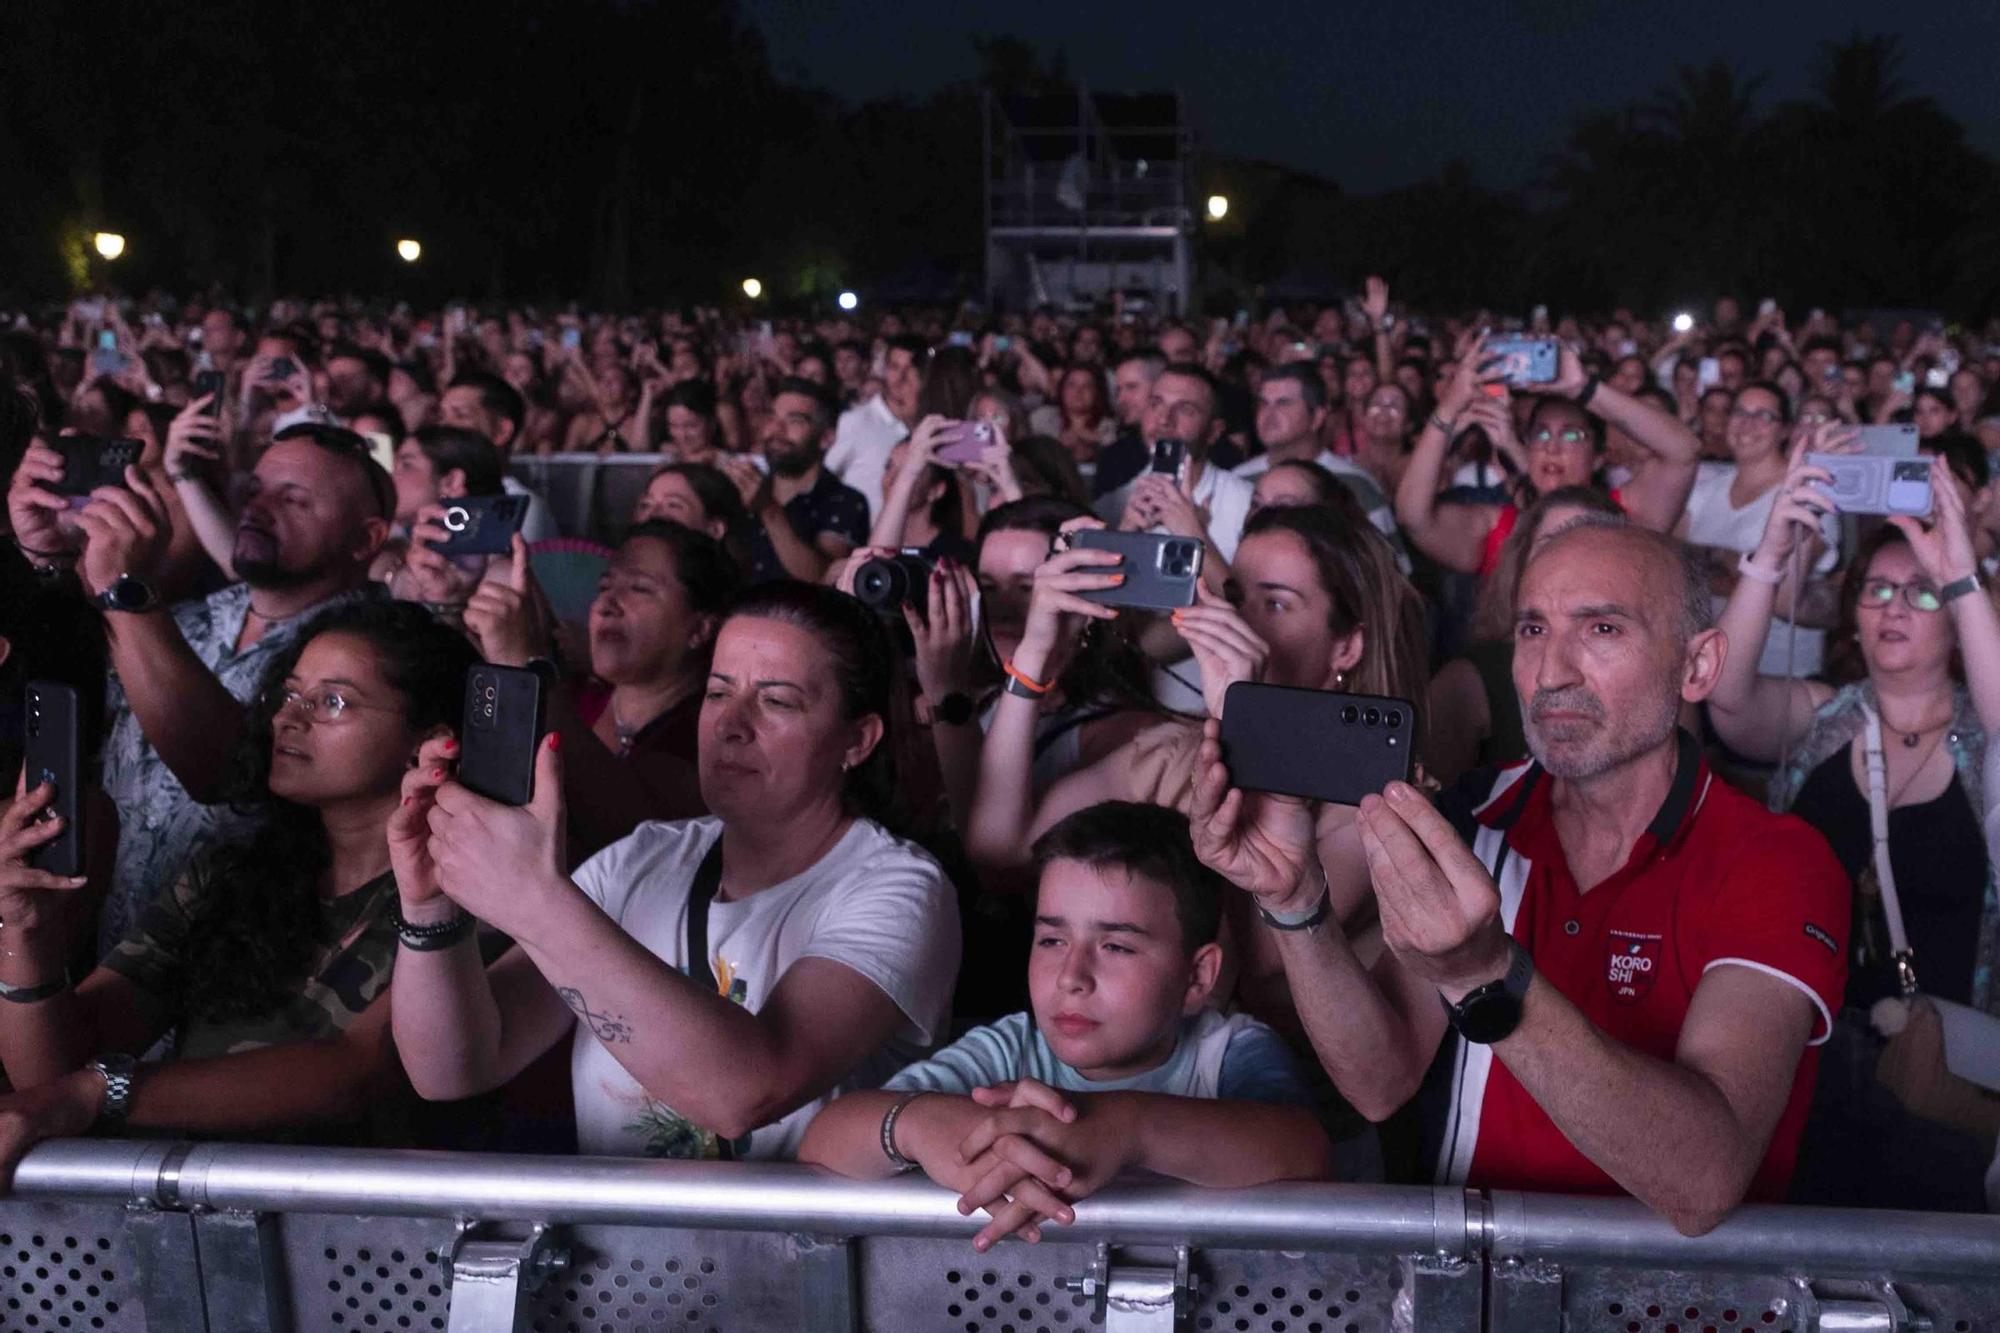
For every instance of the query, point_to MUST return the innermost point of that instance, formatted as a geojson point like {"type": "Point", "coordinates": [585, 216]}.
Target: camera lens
{"type": "Point", "coordinates": [1349, 714]}
{"type": "Point", "coordinates": [1371, 717]}
{"type": "Point", "coordinates": [1394, 717]}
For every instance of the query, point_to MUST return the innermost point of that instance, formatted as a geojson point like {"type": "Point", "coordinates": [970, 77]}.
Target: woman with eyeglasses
{"type": "Point", "coordinates": [268, 964]}
{"type": "Point", "coordinates": [1887, 761]}
{"type": "Point", "coordinates": [1562, 445]}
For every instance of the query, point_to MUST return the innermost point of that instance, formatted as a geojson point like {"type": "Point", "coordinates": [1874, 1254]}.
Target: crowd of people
{"type": "Point", "coordinates": [868, 828]}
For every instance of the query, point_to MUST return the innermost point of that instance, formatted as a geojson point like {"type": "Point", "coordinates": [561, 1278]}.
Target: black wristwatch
{"type": "Point", "coordinates": [129, 594]}
{"type": "Point", "coordinates": [954, 709]}
{"type": "Point", "coordinates": [1493, 1011]}
{"type": "Point", "coordinates": [1958, 588]}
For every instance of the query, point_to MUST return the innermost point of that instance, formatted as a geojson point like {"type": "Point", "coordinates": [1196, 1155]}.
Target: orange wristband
{"type": "Point", "coordinates": [1028, 683]}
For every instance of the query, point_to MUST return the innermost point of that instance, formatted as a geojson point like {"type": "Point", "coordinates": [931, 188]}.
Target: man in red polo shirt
{"type": "Point", "coordinates": [1637, 958]}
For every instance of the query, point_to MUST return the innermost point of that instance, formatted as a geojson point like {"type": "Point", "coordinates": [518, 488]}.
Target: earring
{"type": "Point", "coordinates": [1340, 680]}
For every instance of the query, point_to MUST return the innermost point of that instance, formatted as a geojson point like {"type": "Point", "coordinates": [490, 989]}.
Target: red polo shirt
{"type": "Point", "coordinates": [1715, 881]}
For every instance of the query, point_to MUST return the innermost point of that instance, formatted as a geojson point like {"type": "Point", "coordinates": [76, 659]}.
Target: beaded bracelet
{"type": "Point", "coordinates": [430, 937]}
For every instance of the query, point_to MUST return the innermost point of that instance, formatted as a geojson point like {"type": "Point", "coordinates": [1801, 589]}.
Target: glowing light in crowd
{"type": "Point", "coordinates": [109, 244]}
{"type": "Point", "coordinates": [1683, 322]}
{"type": "Point", "coordinates": [1218, 207]}
{"type": "Point", "coordinates": [409, 251]}
{"type": "Point", "coordinates": [848, 300]}
{"type": "Point", "coordinates": [752, 288]}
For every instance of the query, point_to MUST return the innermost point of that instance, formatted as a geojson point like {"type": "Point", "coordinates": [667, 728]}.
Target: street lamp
{"type": "Point", "coordinates": [847, 300]}
{"type": "Point", "coordinates": [1218, 207]}
{"type": "Point", "coordinates": [752, 288]}
{"type": "Point", "coordinates": [409, 251]}
{"type": "Point", "coordinates": [109, 244]}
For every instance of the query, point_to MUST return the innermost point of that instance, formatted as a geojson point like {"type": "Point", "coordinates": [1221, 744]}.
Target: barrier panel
{"type": "Point", "coordinates": [589, 496]}
{"type": "Point", "coordinates": [157, 1237]}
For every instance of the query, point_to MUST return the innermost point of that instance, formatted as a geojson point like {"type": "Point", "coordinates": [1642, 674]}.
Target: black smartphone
{"type": "Point", "coordinates": [54, 754]}
{"type": "Point", "coordinates": [504, 722]}
{"type": "Point", "coordinates": [1168, 456]}
{"type": "Point", "coordinates": [1321, 744]}
{"type": "Point", "coordinates": [482, 524]}
{"type": "Point", "coordinates": [282, 368]}
{"type": "Point", "coordinates": [91, 461]}
{"type": "Point", "coordinates": [1160, 569]}
{"type": "Point", "coordinates": [211, 382]}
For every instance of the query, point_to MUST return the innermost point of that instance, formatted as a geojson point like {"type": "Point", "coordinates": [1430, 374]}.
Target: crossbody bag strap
{"type": "Point", "coordinates": [1885, 874]}
{"type": "Point", "coordinates": [707, 883]}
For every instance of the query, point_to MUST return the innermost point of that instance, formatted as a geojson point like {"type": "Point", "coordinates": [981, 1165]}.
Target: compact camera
{"type": "Point", "coordinates": [888, 583]}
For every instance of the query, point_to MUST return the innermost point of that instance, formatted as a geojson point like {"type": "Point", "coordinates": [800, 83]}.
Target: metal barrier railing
{"type": "Point", "coordinates": [158, 1236]}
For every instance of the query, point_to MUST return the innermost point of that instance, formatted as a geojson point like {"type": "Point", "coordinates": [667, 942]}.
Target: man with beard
{"type": "Point", "coordinates": [1637, 958]}
{"type": "Point", "coordinates": [317, 511]}
{"type": "Point", "coordinates": [807, 518]}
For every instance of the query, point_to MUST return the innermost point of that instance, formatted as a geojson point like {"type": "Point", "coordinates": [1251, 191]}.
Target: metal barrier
{"type": "Point", "coordinates": [217, 1238]}
{"type": "Point", "coordinates": [589, 495]}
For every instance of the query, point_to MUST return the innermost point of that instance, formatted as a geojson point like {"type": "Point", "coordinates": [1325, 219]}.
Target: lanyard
{"type": "Point", "coordinates": [1885, 875]}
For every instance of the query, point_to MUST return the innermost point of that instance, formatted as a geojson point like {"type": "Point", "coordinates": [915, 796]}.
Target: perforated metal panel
{"type": "Point", "coordinates": [66, 1269]}
{"type": "Point", "coordinates": [623, 1279]}
{"type": "Point", "coordinates": [349, 1273]}
{"type": "Point", "coordinates": [1599, 1300]}
{"type": "Point", "coordinates": [1247, 1290]}
{"type": "Point", "coordinates": [947, 1285]}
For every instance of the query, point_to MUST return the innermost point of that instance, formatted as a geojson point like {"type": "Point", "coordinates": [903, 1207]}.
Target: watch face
{"type": "Point", "coordinates": [955, 709]}
{"type": "Point", "coordinates": [1488, 1015]}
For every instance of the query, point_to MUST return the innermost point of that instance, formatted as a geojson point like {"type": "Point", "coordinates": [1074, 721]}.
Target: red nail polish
{"type": "Point", "coordinates": [437, 772]}
{"type": "Point", "coordinates": [555, 740]}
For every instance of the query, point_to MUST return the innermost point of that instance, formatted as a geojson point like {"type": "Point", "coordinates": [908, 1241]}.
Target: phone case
{"type": "Point", "coordinates": [503, 724]}
{"type": "Point", "coordinates": [1321, 744]}
{"type": "Point", "coordinates": [1523, 360]}
{"type": "Point", "coordinates": [1160, 570]}
{"type": "Point", "coordinates": [482, 524]}
{"type": "Point", "coordinates": [1168, 455]}
{"type": "Point", "coordinates": [54, 754]}
{"type": "Point", "coordinates": [91, 461]}
{"type": "Point", "coordinates": [964, 442]}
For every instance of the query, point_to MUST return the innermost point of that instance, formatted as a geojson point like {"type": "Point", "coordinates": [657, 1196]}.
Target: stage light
{"type": "Point", "coordinates": [1683, 322]}
{"type": "Point", "coordinates": [848, 300]}
{"type": "Point", "coordinates": [752, 288]}
{"type": "Point", "coordinates": [1218, 207]}
{"type": "Point", "coordinates": [109, 244]}
{"type": "Point", "coordinates": [409, 251]}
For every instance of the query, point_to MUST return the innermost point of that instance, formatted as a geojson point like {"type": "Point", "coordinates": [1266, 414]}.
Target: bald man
{"type": "Point", "coordinates": [1634, 959]}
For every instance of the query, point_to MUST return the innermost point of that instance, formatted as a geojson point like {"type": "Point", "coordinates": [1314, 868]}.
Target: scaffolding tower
{"type": "Point", "coordinates": [1088, 195]}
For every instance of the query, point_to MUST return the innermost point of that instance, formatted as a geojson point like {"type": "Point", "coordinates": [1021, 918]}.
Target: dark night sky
{"type": "Point", "coordinates": [1377, 95]}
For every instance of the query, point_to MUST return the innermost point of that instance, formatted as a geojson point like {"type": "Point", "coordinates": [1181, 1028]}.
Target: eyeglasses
{"type": "Point", "coordinates": [1763, 416]}
{"type": "Point", "coordinates": [1387, 409]}
{"type": "Point", "coordinates": [1547, 438]}
{"type": "Point", "coordinates": [1815, 418]}
{"type": "Point", "coordinates": [1878, 593]}
{"type": "Point", "coordinates": [324, 705]}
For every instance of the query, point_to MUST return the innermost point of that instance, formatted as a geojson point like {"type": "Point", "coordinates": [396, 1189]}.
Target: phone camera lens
{"type": "Point", "coordinates": [1394, 717]}
{"type": "Point", "coordinates": [1371, 717]}
{"type": "Point", "coordinates": [1350, 714]}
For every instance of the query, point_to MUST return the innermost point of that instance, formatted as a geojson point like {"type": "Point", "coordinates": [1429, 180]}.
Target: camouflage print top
{"type": "Point", "coordinates": [355, 953]}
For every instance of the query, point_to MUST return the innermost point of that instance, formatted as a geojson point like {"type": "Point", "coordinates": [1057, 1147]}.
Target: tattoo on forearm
{"type": "Point", "coordinates": [607, 1028]}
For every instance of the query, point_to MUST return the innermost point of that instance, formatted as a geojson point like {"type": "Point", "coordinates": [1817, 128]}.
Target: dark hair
{"type": "Point", "coordinates": [456, 448]}
{"type": "Point", "coordinates": [825, 410]}
{"type": "Point", "coordinates": [918, 349]}
{"type": "Point", "coordinates": [1766, 386]}
{"type": "Point", "coordinates": [344, 443]}
{"type": "Point", "coordinates": [1045, 467]}
{"type": "Point", "coordinates": [697, 396]}
{"type": "Point", "coordinates": [1305, 374]}
{"type": "Point", "coordinates": [866, 670]}
{"type": "Point", "coordinates": [389, 415]}
{"type": "Point", "coordinates": [420, 373]}
{"type": "Point", "coordinates": [709, 576]}
{"type": "Point", "coordinates": [496, 396]}
{"type": "Point", "coordinates": [1845, 663]}
{"type": "Point", "coordinates": [119, 402]}
{"type": "Point", "coordinates": [376, 365]}
{"type": "Point", "coordinates": [1963, 454]}
{"type": "Point", "coordinates": [1332, 493]}
{"type": "Point", "coordinates": [1155, 360]}
{"type": "Point", "coordinates": [1195, 372]}
{"type": "Point", "coordinates": [1590, 422]}
{"type": "Point", "coordinates": [951, 382]}
{"type": "Point", "coordinates": [719, 500]}
{"type": "Point", "coordinates": [251, 926]}
{"type": "Point", "coordinates": [1108, 669]}
{"type": "Point", "coordinates": [1148, 842]}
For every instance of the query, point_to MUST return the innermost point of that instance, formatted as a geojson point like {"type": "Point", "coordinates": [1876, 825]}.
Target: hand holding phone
{"type": "Point", "coordinates": [53, 757]}
{"type": "Point", "coordinates": [91, 461]}
{"type": "Point", "coordinates": [505, 720]}
{"type": "Point", "coordinates": [1324, 745]}
{"type": "Point", "coordinates": [1160, 570]}
{"type": "Point", "coordinates": [962, 442]}
{"type": "Point", "coordinates": [481, 524]}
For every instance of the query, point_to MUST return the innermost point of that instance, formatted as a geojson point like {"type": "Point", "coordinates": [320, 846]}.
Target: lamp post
{"type": "Point", "coordinates": [109, 244]}
{"type": "Point", "coordinates": [1218, 207]}
{"type": "Point", "coordinates": [752, 288]}
{"type": "Point", "coordinates": [409, 251]}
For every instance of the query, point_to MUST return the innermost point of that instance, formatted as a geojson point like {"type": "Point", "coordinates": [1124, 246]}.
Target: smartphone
{"type": "Point", "coordinates": [1161, 570]}
{"type": "Point", "coordinates": [1707, 374]}
{"type": "Point", "coordinates": [958, 338]}
{"type": "Point", "coordinates": [54, 754]}
{"type": "Point", "coordinates": [107, 359]}
{"type": "Point", "coordinates": [91, 461]}
{"type": "Point", "coordinates": [282, 368]}
{"type": "Point", "coordinates": [482, 524]}
{"type": "Point", "coordinates": [211, 382]}
{"type": "Point", "coordinates": [382, 449]}
{"type": "Point", "coordinates": [964, 441]}
{"type": "Point", "coordinates": [1888, 476]}
{"type": "Point", "coordinates": [1521, 360]}
{"type": "Point", "coordinates": [1906, 382]}
{"type": "Point", "coordinates": [1168, 455]}
{"type": "Point", "coordinates": [504, 723]}
{"type": "Point", "coordinates": [1002, 343]}
{"type": "Point", "coordinates": [572, 339]}
{"type": "Point", "coordinates": [1324, 745]}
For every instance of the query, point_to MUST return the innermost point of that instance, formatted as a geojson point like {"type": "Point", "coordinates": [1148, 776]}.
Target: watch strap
{"type": "Point", "coordinates": [1958, 588]}
{"type": "Point", "coordinates": [118, 1072]}
{"type": "Point", "coordinates": [1310, 919]}
{"type": "Point", "coordinates": [955, 709]}
{"type": "Point", "coordinates": [1519, 976]}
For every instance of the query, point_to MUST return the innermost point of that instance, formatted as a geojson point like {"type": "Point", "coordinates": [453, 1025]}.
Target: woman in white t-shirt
{"type": "Point", "coordinates": [703, 1026]}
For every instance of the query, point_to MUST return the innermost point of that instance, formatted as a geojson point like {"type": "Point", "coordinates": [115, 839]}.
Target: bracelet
{"type": "Point", "coordinates": [1034, 687]}
{"type": "Point", "coordinates": [889, 1119]}
{"type": "Point", "coordinates": [1588, 392]}
{"type": "Point", "coordinates": [34, 994]}
{"type": "Point", "coordinates": [1757, 573]}
{"type": "Point", "coordinates": [429, 938]}
{"type": "Point", "coordinates": [182, 478]}
{"type": "Point", "coordinates": [1442, 426]}
{"type": "Point", "coordinates": [1310, 919]}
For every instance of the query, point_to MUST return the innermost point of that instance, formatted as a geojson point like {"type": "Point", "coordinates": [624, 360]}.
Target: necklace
{"type": "Point", "coordinates": [1910, 738]}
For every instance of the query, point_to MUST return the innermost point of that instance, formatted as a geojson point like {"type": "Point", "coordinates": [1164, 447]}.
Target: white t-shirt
{"type": "Point", "coordinates": [874, 903]}
{"type": "Point", "coordinates": [1713, 521]}
{"type": "Point", "coordinates": [861, 445]}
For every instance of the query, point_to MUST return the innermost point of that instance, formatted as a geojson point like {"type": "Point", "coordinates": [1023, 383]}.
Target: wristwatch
{"type": "Point", "coordinates": [1493, 1011]}
{"type": "Point", "coordinates": [954, 709]}
{"type": "Point", "coordinates": [117, 1073]}
{"type": "Point", "coordinates": [129, 594]}
{"type": "Point", "coordinates": [1958, 588]}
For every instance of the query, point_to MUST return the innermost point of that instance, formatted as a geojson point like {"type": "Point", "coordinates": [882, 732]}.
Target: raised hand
{"type": "Point", "coordinates": [39, 516]}
{"type": "Point", "coordinates": [27, 824]}
{"type": "Point", "coordinates": [500, 861]}
{"type": "Point", "coordinates": [1943, 548]}
{"type": "Point", "coordinates": [126, 530]}
{"type": "Point", "coordinates": [1440, 909]}
{"type": "Point", "coordinates": [1224, 645]}
{"type": "Point", "coordinates": [409, 824]}
{"type": "Point", "coordinates": [1260, 842]}
{"type": "Point", "coordinates": [1801, 501]}
{"type": "Point", "coordinates": [502, 613]}
{"type": "Point", "coordinates": [946, 634]}
{"type": "Point", "coordinates": [1375, 299]}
